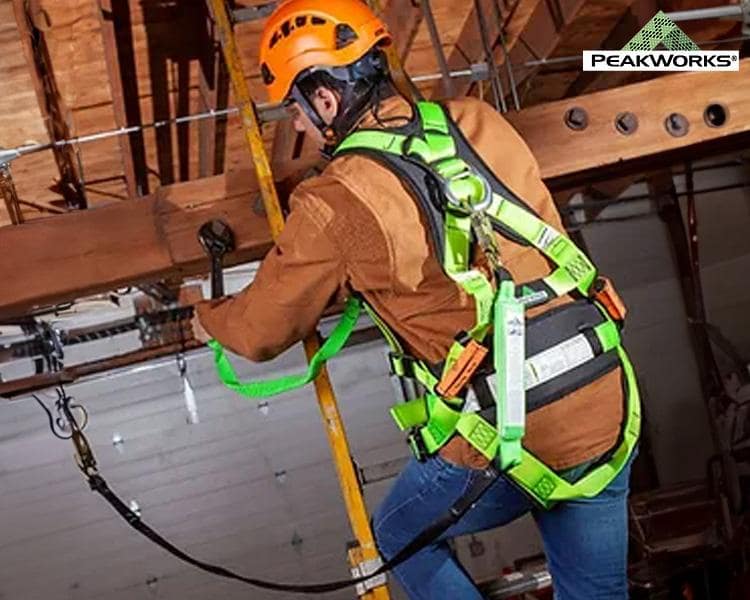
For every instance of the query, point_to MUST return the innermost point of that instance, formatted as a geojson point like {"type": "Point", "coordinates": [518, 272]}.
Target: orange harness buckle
{"type": "Point", "coordinates": [454, 380]}
{"type": "Point", "coordinates": [604, 293]}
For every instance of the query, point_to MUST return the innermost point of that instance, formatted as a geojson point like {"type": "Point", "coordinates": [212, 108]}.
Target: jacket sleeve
{"type": "Point", "coordinates": [296, 281]}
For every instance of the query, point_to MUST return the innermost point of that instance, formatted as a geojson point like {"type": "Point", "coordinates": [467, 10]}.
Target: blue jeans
{"type": "Point", "coordinates": [585, 540]}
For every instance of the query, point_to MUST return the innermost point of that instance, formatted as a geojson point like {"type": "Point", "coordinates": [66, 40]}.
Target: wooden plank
{"type": "Point", "coordinates": [601, 150]}
{"type": "Point", "coordinates": [20, 119]}
{"type": "Point", "coordinates": [403, 18]}
{"type": "Point", "coordinates": [119, 53]}
{"type": "Point", "coordinates": [589, 30]}
{"type": "Point", "coordinates": [214, 94]}
{"type": "Point", "coordinates": [54, 112]}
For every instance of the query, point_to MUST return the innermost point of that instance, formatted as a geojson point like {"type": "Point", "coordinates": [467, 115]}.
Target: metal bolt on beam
{"type": "Point", "coordinates": [626, 123]}
{"type": "Point", "coordinates": [677, 125]}
{"type": "Point", "coordinates": [577, 118]}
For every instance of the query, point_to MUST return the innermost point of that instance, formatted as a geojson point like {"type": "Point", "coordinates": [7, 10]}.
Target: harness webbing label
{"type": "Point", "coordinates": [559, 359]}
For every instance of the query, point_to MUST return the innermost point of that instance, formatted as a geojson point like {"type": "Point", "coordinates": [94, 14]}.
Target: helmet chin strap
{"type": "Point", "coordinates": [329, 135]}
{"type": "Point", "coordinates": [354, 100]}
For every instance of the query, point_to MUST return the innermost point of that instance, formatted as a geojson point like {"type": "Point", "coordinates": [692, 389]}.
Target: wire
{"type": "Point", "coordinates": [65, 409]}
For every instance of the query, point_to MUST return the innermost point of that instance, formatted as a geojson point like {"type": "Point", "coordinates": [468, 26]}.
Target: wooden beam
{"type": "Point", "coordinates": [155, 238]}
{"type": "Point", "coordinates": [214, 95]}
{"type": "Point", "coordinates": [589, 29]}
{"type": "Point", "coordinates": [25, 385]}
{"type": "Point", "coordinates": [403, 18]}
{"type": "Point", "coordinates": [31, 19]}
{"type": "Point", "coordinates": [601, 151]}
{"type": "Point", "coordinates": [525, 19]}
{"type": "Point", "coordinates": [127, 242]}
{"type": "Point", "coordinates": [119, 52]}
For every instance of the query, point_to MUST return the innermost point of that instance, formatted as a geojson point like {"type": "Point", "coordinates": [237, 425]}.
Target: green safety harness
{"type": "Point", "coordinates": [473, 205]}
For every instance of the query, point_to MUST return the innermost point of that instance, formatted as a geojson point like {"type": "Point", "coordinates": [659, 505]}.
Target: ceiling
{"type": "Point", "coordinates": [169, 66]}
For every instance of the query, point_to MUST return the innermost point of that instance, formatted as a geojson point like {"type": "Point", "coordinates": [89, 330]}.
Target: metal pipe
{"type": "Point", "coordinates": [438, 47]}
{"type": "Point", "coordinates": [267, 113]}
{"type": "Point", "coordinates": [717, 12]}
{"type": "Point", "coordinates": [515, 584]}
{"type": "Point", "coordinates": [435, 76]}
{"type": "Point", "coordinates": [495, 83]}
{"type": "Point", "coordinates": [506, 54]}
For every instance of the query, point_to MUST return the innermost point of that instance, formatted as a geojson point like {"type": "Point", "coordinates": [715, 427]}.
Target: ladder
{"type": "Point", "coordinates": [363, 556]}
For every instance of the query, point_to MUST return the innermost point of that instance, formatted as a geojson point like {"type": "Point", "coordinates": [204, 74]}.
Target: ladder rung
{"type": "Point", "coordinates": [253, 13]}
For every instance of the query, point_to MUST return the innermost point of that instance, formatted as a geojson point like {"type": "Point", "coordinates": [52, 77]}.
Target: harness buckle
{"type": "Point", "coordinates": [417, 446]}
{"type": "Point", "coordinates": [604, 292]}
{"type": "Point", "coordinates": [462, 370]}
{"type": "Point", "coordinates": [401, 365]}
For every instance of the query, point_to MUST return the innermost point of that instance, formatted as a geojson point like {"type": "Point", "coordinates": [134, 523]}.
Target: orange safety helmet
{"type": "Point", "coordinates": [301, 34]}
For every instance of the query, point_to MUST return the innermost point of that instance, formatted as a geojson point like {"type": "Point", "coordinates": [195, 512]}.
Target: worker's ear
{"type": "Point", "coordinates": [326, 103]}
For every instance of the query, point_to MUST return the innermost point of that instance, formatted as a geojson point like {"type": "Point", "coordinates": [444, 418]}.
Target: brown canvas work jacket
{"type": "Point", "coordinates": [355, 227]}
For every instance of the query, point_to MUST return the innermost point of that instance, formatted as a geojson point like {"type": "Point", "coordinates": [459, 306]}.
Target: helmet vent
{"type": "Point", "coordinates": [345, 35]}
{"type": "Point", "coordinates": [318, 21]}
{"type": "Point", "coordinates": [275, 39]}
{"type": "Point", "coordinates": [265, 72]}
{"type": "Point", "coordinates": [300, 21]}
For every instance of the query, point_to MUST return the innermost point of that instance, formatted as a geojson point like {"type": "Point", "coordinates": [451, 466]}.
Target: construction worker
{"type": "Point", "coordinates": [364, 226]}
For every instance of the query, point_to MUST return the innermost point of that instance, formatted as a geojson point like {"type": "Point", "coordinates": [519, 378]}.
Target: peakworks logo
{"type": "Point", "coordinates": [681, 54]}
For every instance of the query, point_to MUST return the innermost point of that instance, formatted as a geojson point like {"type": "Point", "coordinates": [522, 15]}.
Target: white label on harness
{"type": "Point", "coordinates": [547, 237]}
{"type": "Point", "coordinates": [515, 397]}
{"type": "Point", "coordinates": [471, 405]}
{"type": "Point", "coordinates": [555, 361]}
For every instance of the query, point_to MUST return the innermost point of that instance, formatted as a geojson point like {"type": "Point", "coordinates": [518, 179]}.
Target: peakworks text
{"type": "Point", "coordinates": [660, 61]}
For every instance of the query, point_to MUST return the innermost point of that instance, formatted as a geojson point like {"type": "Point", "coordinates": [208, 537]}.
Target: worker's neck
{"type": "Point", "coordinates": [393, 110]}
